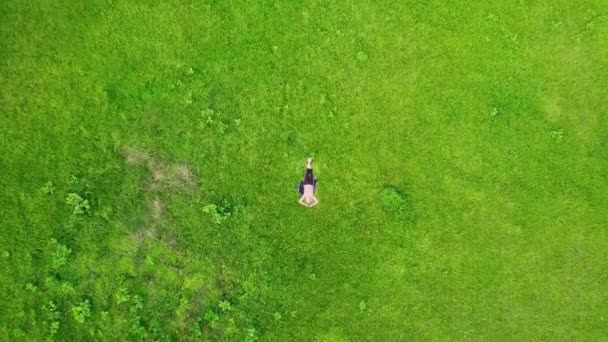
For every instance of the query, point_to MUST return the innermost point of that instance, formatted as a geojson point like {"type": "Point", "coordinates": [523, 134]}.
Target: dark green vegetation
{"type": "Point", "coordinates": [150, 152]}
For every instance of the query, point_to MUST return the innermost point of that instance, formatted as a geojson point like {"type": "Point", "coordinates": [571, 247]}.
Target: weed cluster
{"type": "Point", "coordinates": [221, 212]}
{"type": "Point", "coordinates": [397, 203]}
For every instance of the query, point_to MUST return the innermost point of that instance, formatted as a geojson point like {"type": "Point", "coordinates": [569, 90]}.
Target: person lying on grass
{"type": "Point", "coordinates": [307, 187]}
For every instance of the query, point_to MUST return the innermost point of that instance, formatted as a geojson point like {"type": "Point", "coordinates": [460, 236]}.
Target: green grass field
{"type": "Point", "coordinates": [151, 149]}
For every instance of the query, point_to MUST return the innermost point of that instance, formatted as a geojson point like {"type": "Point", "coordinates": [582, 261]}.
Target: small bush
{"type": "Point", "coordinates": [60, 255]}
{"type": "Point", "coordinates": [79, 204]}
{"type": "Point", "coordinates": [225, 305]}
{"type": "Point", "coordinates": [252, 335]}
{"type": "Point", "coordinates": [196, 330]}
{"type": "Point", "coordinates": [48, 188]}
{"type": "Point", "coordinates": [220, 213]}
{"type": "Point", "coordinates": [81, 311]}
{"type": "Point", "coordinates": [51, 311]}
{"type": "Point", "coordinates": [53, 331]}
{"type": "Point", "coordinates": [211, 209]}
{"type": "Point", "coordinates": [211, 318]}
{"type": "Point", "coordinates": [362, 306]}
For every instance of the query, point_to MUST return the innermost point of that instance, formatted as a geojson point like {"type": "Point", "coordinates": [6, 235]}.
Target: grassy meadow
{"type": "Point", "coordinates": [150, 152]}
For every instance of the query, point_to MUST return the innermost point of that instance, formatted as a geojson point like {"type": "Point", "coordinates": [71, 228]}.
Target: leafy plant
{"type": "Point", "coordinates": [362, 56]}
{"type": "Point", "coordinates": [212, 119]}
{"type": "Point", "coordinates": [81, 311]}
{"type": "Point", "coordinates": [48, 188]}
{"type": "Point", "coordinates": [211, 318]}
{"type": "Point", "coordinates": [196, 330]}
{"type": "Point", "coordinates": [137, 304]}
{"type": "Point", "coordinates": [53, 331]}
{"type": "Point", "coordinates": [122, 294]}
{"type": "Point", "coordinates": [207, 116]}
{"type": "Point", "coordinates": [557, 134]}
{"type": "Point", "coordinates": [362, 306]}
{"type": "Point", "coordinates": [220, 213]}
{"type": "Point", "coordinates": [136, 330]}
{"type": "Point", "coordinates": [60, 255]}
{"type": "Point", "coordinates": [77, 184]}
{"type": "Point", "coordinates": [211, 209]}
{"type": "Point", "coordinates": [18, 334]}
{"type": "Point", "coordinates": [252, 335]}
{"type": "Point", "coordinates": [225, 305]}
{"type": "Point", "coordinates": [66, 289]}
{"type": "Point", "coordinates": [50, 310]}
{"type": "Point", "coordinates": [74, 181]}
{"type": "Point", "coordinates": [80, 205]}
{"type": "Point", "coordinates": [53, 315]}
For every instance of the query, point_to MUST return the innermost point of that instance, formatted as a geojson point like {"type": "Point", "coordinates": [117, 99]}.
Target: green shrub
{"type": "Point", "coordinates": [137, 331]}
{"type": "Point", "coordinates": [60, 255]}
{"type": "Point", "coordinates": [196, 330]}
{"type": "Point", "coordinates": [52, 313]}
{"type": "Point", "coordinates": [122, 295]}
{"type": "Point", "coordinates": [53, 331]}
{"type": "Point", "coordinates": [48, 188]}
{"type": "Point", "coordinates": [81, 311]}
{"type": "Point", "coordinates": [362, 306]}
{"type": "Point", "coordinates": [211, 209]}
{"type": "Point", "coordinates": [80, 205]}
{"type": "Point", "coordinates": [222, 212]}
{"type": "Point", "coordinates": [225, 305]}
{"type": "Point", "coordinates": [211, 318]}
{"type": "Point", "coordinates": [252, 335]}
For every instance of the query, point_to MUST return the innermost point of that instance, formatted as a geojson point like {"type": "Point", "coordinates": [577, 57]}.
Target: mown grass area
{"type": "Point", "coordinates": [150, 152]}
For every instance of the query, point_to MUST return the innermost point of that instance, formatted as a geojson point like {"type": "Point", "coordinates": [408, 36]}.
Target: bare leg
{"type": "Point", "coordinates": [308, 176]}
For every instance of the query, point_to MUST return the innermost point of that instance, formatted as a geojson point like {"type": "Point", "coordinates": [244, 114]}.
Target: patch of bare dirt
{"type": "Point", "coordinates": [158, 175]}
{"type": "Point", "coordinates": [574, 114]}
{"type": "Point", "coordinates": [164, 179]}
{"type": "Point", "coordinates": [157, 208]}
{"type": "Point", "coordinates": [563, 104]}
{"type": "Point", "coordinates": [135, 157]}
{"type": "Point", "coordinates": [183, 173]}
{"type": "Point", "coordinates": [142, 235]}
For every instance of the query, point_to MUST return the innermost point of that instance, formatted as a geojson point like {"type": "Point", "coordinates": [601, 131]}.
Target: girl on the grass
{"type": "Point", "coordinates": [307, 187]}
